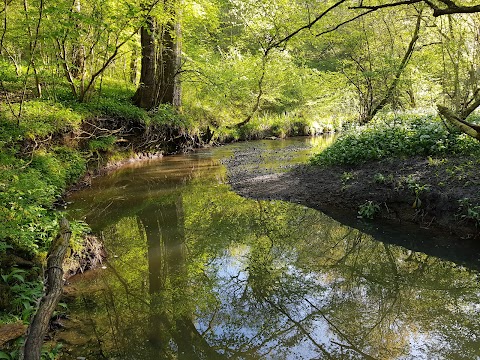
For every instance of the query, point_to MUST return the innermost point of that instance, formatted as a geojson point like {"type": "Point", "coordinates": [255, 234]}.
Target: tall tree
{"type": "Point", "coordinates": [161, 60]}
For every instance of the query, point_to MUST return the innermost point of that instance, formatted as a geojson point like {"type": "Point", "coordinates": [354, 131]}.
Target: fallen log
{"type": "Point", "coordinates": [53, 291]}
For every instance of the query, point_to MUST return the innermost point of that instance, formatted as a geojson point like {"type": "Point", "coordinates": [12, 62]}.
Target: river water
{"type": "Point", "coordinates": [195, 271]}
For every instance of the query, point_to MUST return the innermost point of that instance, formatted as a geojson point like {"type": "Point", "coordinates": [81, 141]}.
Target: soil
{"type": "Point", "coordinates": [9, 332]}
{"type": "Point", "coordinates": [414, 194]}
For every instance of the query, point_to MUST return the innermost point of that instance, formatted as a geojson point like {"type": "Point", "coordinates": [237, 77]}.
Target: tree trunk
{"type": "Point", "coordinates": [146, 92]}
{"type": "Point", "coordinates": [466, 127]}
{"type": "Point", "coordinates": [393, 86]}
{"type": "Point", "coordinates": [170, 61]}
{"type": "Point", "coordinates": [78, 52]}
{"type": "Point", "coordinates": [159, 77]}
{"type": "Point", "coordinates": [133, 66]}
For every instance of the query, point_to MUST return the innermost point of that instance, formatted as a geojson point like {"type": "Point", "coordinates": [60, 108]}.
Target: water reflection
{"type": "Point", "coordinates": [197, 272]}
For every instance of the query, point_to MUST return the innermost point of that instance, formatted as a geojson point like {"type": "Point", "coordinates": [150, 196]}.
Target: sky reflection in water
{"type": "Point", "coordinates": [197, 272]}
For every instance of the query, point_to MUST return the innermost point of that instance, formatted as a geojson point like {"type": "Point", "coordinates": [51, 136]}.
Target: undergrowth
{"type": "Point", "coordinates": [400, 136]}
{"type": "Point", "coordinates": [278, 125]}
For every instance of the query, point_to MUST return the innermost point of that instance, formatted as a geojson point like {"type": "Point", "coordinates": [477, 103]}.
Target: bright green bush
{"type": "Point", "coordinates": [27, 191]}
{"type": "Point", "coordinates": [406, 136]}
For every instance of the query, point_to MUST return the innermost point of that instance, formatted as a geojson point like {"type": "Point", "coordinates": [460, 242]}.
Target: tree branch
{"type": "Point", "coordinates": [305, 27]}
{"type": "Point", "coordinates": [451, 7]}
{"type": "Point", "coordinates": [345, 22]}
{"type": "Point", "coordinates": [401, 68]}
{"type": "Point", "coordinates": [466, 127]}
{"type": "Point", "coordinates": [383, 6]}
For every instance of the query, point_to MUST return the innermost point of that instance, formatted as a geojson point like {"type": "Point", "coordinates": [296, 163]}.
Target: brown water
{"type": "Point", "coordinates": [197, 272]}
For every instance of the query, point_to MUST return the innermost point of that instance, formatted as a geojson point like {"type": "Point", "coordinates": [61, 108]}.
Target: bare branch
{"type": "Point", "coordinates": [383, 6]}
{"type": "Point", "coordinates": [305, 27]}
{"type": "Point", "coordinates": [451, 7]}
{"type": "Point", "coordinates": [345, 22]}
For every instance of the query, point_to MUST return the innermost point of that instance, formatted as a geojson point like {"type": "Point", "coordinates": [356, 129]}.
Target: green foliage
{"type": "Point", "coordinates": [51, 353]}
{"type": "Point", "coordinates": [382, 179]}
{"type": "Point", "coordinates": [9, 355]}
{"type": "Point", "coordinates": [166, 115]}
{"type": "Point", "coordinates": [114, 108]}
{"type": "Point", "coordinates": [25, 292]}
{"type": "Point", "coordinates": [417, 189]}
{"type": "Point", "coordinates": [368, 210]}
{"type": "Point", "coordinates": [72, 161]}
{"type": "Point", "coordinates": [347, 176]}
{"type": "Point", "coordinates": [42, 118]}
{"type": "Point", "coordinates": [469, 211]}
{"type": "Point", "coordinates": [48, 352]}
{"type": "Point", "coordinates": [272, 125]}
{"type": "Point", "coordinates": [405, 136]}
{"type": "Point", "coordinates": [27, 222]}
{"type": "Point", "coordinates": [28, 190]}
{"type": "Point", "coordinates": [102, 144]}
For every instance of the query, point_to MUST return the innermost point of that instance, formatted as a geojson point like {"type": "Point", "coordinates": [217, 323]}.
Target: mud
{"type": "Point", "coordinates": [416, 194]}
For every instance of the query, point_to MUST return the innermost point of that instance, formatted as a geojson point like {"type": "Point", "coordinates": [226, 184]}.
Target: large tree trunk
{"type": "Point", "coordinates": [159, 78]}
{"type": "Point", "coordinates": [170, 61]}
{"type": "Point", "coordinates": [145, 97]}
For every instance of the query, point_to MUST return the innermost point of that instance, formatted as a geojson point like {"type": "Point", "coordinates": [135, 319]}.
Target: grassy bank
{"type": "Point", "coordinates": [415, 163]}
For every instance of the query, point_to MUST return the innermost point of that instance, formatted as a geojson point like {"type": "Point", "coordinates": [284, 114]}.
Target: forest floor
{"type": "Point", "coordinates": [433, 195]}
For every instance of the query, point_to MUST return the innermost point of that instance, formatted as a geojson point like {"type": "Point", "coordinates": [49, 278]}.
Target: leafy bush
{"type": "Point", "coordinates": [27, 192]}
{"type": "Point", "coordinates": [72, 161]}
{"type": "Point", "coordinates": [405, 136]}
{"type": "Point", "coordinates": [25, 292]}
{"type": "Point", "coordinates": [469, 210]}
{"type": "Point", "coordinates": [26, 221]}
{"type": "Point", "coordinates": [277, 125]}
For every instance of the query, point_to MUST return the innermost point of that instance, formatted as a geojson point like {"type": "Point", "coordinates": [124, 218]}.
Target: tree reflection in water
{"type": "Point", "coordinates": [201, 273]}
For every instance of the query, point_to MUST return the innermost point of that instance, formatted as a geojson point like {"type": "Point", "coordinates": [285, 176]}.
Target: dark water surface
{"type": "Point", "coordinates": [197, 272]}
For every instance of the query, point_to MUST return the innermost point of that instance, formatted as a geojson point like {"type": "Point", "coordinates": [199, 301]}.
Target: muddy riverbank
{"type": "Point", "coordinates": [418, 194]}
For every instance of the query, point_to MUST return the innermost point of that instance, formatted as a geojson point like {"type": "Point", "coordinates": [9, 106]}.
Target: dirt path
{"type": "Point", "coordinates": [416, 193]}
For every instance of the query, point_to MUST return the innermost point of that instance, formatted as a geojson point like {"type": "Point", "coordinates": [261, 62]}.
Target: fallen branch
{"type": "Point", "coordinates": [53, 291]}
{"type": "Point", "coordinates": [470, 129]}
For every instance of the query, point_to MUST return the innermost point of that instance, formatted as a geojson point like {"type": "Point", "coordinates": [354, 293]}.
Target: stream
{"type": "Point", "coordinates": [195, 271]}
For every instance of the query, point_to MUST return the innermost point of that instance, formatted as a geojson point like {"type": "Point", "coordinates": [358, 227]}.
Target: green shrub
{"type": "Point", "coordinates": [25, 292]}
{"type": "Point", "coordinates": [407, 136]}
{"type": "Point", "coordinates": [27, 192]}
{"type": "Point", "coordinates": [72, 161]}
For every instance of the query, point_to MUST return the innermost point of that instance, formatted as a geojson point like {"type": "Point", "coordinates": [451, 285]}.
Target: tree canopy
{"type": "Point", "coordinates": [239, 60]}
